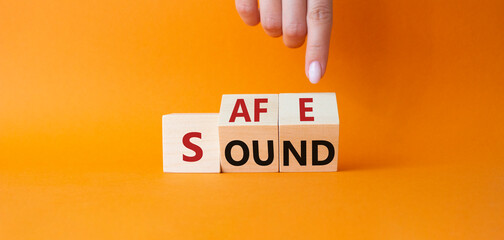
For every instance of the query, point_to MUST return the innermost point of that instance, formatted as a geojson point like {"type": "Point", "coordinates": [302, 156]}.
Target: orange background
{"type": "Point", "coordinates": [83, 86]}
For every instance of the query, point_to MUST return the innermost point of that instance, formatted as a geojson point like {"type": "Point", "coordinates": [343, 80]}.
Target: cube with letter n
{"type": "Point", "coordinates": [248, 133]}
{"type": "Point", "coordinates": [308, 132]}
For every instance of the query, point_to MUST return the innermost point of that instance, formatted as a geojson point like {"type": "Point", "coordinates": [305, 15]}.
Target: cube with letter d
{"type": "Point", "coordinates": [308, 132]}
{"type": "Point", "coordinates": [191, 143]}
{"type": "Point", "coordinates": [248, 133]}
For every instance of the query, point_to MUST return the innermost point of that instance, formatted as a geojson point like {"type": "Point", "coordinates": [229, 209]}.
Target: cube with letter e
{"type": "Point", "coordinates": [308, 132]}
{"type": "Point", "coordinates": [248, 133]}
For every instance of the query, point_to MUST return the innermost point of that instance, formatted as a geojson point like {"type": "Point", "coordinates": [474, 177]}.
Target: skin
{"type": "Point", "coordinates": [295, 20]}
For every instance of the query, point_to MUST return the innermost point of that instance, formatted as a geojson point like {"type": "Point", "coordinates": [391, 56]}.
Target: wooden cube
{"type": "Point", "coordinates": [308, 132]}
{"type": "Point", "coordinates": [191, 143]}
{"type": "Point", "coordinates": [248, 133]}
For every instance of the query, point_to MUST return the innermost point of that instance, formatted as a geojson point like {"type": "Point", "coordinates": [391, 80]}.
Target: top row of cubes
{"type": "Point", "coordinates": [288, 132]}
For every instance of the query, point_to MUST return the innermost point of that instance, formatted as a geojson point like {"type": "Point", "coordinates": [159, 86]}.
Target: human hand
{"type": "Point", "coordinates": [294, 19]}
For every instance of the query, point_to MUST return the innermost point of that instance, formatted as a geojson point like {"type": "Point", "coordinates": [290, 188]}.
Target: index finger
{"type": "Point", "coordinates": [319, 22]}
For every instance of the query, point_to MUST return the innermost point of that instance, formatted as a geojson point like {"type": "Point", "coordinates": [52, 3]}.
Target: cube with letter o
{"type": "Point", "coordinates": [248, 133]}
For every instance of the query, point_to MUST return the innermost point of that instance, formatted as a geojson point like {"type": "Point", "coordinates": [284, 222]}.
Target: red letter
{"type": "Point", "coordinates": [303, 109]}
{"type": "Point", "coordinates": [235, 113]}
{"type": "Point", "coordinates": [188, 144]}
{"type": "Point", "coordinates": [258, 109]}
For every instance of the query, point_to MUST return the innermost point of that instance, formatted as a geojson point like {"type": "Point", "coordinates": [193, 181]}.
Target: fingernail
{"type": "Point", "coordinates": [314, 72]}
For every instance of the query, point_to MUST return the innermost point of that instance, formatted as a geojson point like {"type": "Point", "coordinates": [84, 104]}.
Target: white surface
{"type": "Point", "coordinates": [325, 109]}
{"type": "Point", "coordinates": [175, 126]}
{"type": "Point", "coordinates": [228, 103]}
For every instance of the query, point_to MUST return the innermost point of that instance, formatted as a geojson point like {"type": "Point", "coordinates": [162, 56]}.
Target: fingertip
{"type": "Point", "coordinates": [252, 22]}
{"type": "Point", "coordinates": [314, 72]}
{"type": "Point", "coordinates": [293, 43]}
{"type": "Point", "coordinates": [248, 11]}
{"type": "Point", "coordinates": [272, 27]}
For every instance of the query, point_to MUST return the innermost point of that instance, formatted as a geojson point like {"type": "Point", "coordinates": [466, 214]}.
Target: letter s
{"type": "Point", "coordinates": [188, 144]}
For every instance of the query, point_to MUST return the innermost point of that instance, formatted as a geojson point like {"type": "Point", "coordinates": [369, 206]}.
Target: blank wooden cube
{"type": "Point", "coordinates": [308, 132]}
{"type": "Point", "coordinates": [191, 143]}
{"type": "Point", "coordinates": [248, 133]}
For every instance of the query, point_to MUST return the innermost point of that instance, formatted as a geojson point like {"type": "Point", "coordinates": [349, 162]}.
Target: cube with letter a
{"type": "Point", "coordinates": [248, 133]}
{"type": "Point", "coordinates": [191, 143]}
{"type": "Point", "coordinates": [308, 132]}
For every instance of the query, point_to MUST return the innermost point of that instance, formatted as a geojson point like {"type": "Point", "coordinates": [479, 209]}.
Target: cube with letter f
{"type": "Point", "coordinates": [248, 133]}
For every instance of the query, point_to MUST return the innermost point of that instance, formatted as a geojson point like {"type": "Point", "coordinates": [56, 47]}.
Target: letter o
{"type": "Point", "coordinates": [230, 159]}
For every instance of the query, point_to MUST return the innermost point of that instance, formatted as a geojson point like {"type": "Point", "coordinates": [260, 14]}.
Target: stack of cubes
{"type": "Point", "coordinates": [287, 132]}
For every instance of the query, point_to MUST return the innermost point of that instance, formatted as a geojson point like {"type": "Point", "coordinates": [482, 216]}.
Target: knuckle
{"type": "Point", "coordinates": [294, 30]}
{"type": "Point", "coordinates": [320, 13]}
{"type": "Point", "coordinates": [314, 47]}
{"type": "Point", "coordinates": [293, 43]}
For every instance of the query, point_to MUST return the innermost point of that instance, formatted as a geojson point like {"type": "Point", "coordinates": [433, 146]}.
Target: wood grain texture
{"type": "Point", "coordinates": [248, 134]}
{"type": "Point", "coordinates": [229, 101]}
{"type": "Point", "coordinates": [260, 129]}
{"type": "Point", "coordinates": [305, 125]}
{"type": "Point", "coordinates": [308, 133]}
{"type": "Point", "coordinates": [175, 126]}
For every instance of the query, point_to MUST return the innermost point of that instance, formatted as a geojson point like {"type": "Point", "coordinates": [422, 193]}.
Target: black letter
{"type": "Point", "coordinates": [330, 149]}
{"type": "Point", "coordinates": [230, 159]}
{"type": "Point", "coordinates": [255, 149]}
{"type": "Point", "coordinates": [301, 159]}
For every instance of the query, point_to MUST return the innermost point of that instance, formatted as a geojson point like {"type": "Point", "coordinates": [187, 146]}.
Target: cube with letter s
{"type": "Point", "coordinates": [191, 143]}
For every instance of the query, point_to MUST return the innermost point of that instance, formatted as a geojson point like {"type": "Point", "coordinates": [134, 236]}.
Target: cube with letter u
{"type": "Point", "coordinates": [248, 133]}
